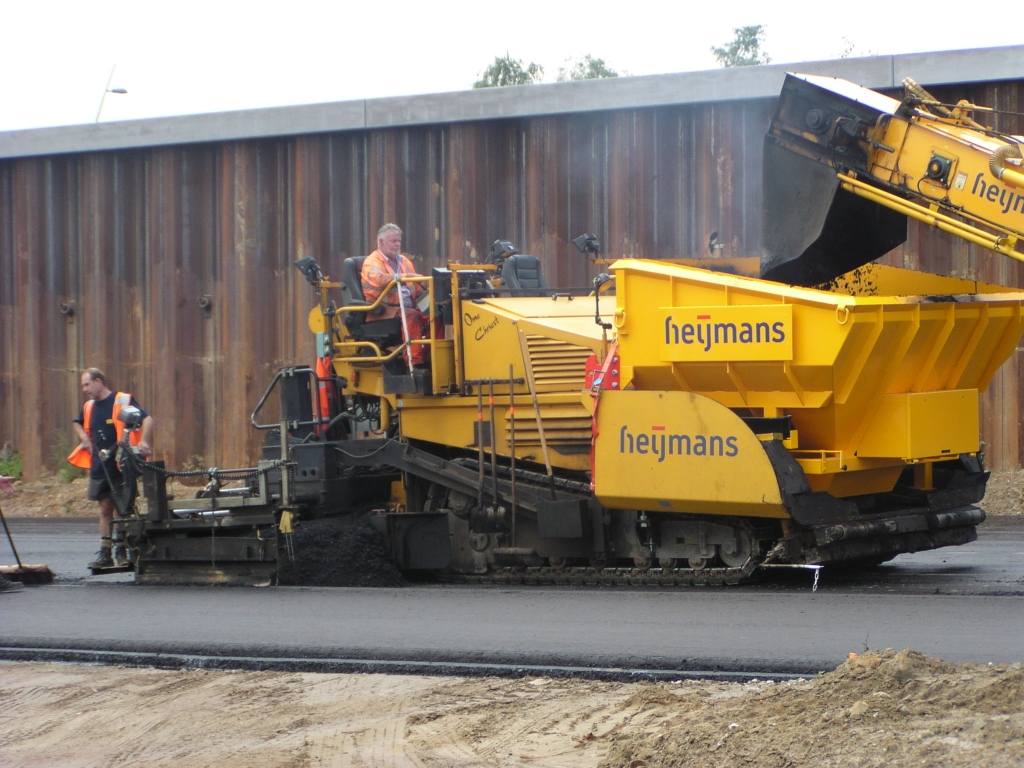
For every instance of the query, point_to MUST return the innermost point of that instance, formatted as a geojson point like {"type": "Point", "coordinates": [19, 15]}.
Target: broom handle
{"type": "Point", "coordinates": [8, 532]}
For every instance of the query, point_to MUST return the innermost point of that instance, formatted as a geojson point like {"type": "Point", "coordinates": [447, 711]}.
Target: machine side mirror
{"type": "Point", "coordinates": [310, 270]}
{"type": "Point", "coordinates": [588, 243]}
{"type": "Point", "coordinates": [501, 250]}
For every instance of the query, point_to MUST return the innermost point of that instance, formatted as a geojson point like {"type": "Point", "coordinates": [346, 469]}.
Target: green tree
{"type": "Point", "coordinates": [508, 71]}
{"type": "Point", "coordinates": [852, 50]}
{"type": "Point", "coordinates": [744, 50]}
{"type": "Point", "coordinates": [587, 68]}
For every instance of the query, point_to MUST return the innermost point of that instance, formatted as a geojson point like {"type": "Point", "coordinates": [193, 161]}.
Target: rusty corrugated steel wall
{"type": "Point", "coordinates": [130, 240]}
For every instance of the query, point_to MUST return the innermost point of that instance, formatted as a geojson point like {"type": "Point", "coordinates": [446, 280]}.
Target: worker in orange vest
{"type": "Point", "coordinates": [97, 428]}
{"type": "Point", "coordinates": [380, 269]}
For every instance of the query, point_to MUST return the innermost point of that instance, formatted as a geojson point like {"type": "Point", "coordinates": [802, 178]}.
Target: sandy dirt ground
{"type": "Point", "coordinates": [878, 709]}
{"type": "Point", "coordinates": [51, 497]}
{"type": "Point", "coordinates": [1004, 494]}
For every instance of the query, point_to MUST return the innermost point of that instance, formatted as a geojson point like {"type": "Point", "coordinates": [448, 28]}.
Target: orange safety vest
{"type": "Point", "coordinates": [82, 458]}
{"type": "Point", "coordinates": [377, 273]}
{"type": "Point", "coordinates": [324, 371]}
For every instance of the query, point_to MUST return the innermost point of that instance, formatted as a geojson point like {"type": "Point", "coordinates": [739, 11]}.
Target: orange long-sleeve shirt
{"type": "Point", "coordinates": [377, 272]}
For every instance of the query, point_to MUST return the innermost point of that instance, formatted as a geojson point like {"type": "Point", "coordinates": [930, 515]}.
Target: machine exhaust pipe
{"type": "Point", "coordinates": [998, 169]}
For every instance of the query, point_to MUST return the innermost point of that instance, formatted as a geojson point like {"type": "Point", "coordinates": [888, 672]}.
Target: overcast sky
{"type": "Point", "coordinates": [192, 56]}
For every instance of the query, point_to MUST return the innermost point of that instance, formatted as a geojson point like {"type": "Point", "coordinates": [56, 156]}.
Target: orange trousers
{"type": "Point", "coordinates": [417, 324]}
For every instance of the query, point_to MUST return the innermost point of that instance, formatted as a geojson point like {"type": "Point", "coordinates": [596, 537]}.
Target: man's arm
{"type": "Point", "coordinates": [147, 436]}
{"type": "Point", "coordinates": [375, 278]}
{"type": "Point", "coordinates": [83, 439]}
{"type": "Point", "coordinates": [410, 271]}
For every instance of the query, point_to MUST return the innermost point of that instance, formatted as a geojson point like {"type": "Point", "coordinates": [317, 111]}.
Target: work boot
{"type": "Point", "coordinates": [121, 557]}
{"type": "Point", "coordinates": [6, 585]}
{"type": "Point", "coordinates": [103, 559]}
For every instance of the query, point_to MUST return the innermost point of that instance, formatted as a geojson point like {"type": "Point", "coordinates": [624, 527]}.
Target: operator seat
{"type": "Point", "coordinates": [523, 277]}
{"type": "Point", "coordinates": [384, 333]}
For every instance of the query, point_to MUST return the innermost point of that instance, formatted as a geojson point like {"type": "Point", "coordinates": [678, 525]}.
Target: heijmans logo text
{"type": "Point", "coordinates": [708, 333]}
{"type": "Point", "coordinates": [660, 443]}
{"type": "Point", "coordinates": [730, 333]}
{"type": "Point", "coordinates": [1007, 198]}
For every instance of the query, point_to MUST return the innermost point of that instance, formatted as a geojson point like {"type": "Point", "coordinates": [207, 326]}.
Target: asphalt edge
{"type": "Point", "coordinates": [163, 660]}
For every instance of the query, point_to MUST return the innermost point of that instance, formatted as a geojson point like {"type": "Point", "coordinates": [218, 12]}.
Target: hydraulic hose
{"type": "Point", "coordinates": [344, 415]}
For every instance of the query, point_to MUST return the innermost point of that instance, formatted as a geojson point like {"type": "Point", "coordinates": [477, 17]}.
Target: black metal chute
{"type": "Point", "coordinates": [812, 230]}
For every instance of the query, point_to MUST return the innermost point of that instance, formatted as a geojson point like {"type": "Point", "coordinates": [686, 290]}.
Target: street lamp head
{"type": "Point", "coordinates": [107, 89]}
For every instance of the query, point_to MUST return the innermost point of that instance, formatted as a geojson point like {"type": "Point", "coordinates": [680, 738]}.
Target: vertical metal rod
{"type": "Point", "coordinates": [405, 323]}
{"type": "Point", "coordinates": [480, 445]}
{"type": "Point", "coordinates": [494, 444]}
{"type": "Point", "coordinates": [460, 372]}
{"type": "Point", "coordinates": [286, 490]}
{"type": "Point", "coordinates": [286, 486]}
{"type": "Point", "coordinates": [525, 349]}
{"type": "Point", "coordinates": [431, 319]}
{"type": "Point", "coordinates": [512, 442]}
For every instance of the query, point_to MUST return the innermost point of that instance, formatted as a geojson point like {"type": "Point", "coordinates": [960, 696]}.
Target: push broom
{"type": "Point", "coordinates": [26, 574]}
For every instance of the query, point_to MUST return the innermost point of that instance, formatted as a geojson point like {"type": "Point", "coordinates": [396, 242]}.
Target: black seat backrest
{"type": "Point", "coordinates": [522, 275]}
{"type": "Point", "coordinates": [352, 291]}
{"type": "Point", "coordinates": [352, 278]}
{"type": "Point", "coordinates": [387, 332]}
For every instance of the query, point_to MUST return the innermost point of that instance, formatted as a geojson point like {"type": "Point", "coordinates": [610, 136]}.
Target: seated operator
{"type": "Point", "coordinates": [381, 268]}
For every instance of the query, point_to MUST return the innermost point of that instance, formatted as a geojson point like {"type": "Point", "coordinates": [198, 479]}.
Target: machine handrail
{"type": "Point", "coordinates": [270, 388]}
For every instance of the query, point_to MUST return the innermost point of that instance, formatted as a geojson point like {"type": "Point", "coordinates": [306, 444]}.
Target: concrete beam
{"type": "Point", "coordinates": [947, 67]}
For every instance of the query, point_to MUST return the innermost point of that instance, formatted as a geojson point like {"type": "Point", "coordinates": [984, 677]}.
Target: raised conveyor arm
{"type": "Point", "coordinates": [845, 166]}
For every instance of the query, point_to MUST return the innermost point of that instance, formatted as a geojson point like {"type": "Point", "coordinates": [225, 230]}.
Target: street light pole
{"type": "Point", "coordinates": [107, 89]}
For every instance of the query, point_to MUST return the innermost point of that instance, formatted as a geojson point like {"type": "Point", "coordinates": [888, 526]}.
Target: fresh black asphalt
{"type": "Point", "coordinates": [961, 604]}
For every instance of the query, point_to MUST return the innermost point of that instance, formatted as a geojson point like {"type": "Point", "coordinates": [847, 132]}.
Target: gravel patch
{"type": "Point", "coordinates": [344, 551]}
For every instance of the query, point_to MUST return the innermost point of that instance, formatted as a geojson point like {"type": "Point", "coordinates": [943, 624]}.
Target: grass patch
{"type": "Point", "coordinates": [10, 462]}
{"type": "Point", "coordinates": [62, 445]}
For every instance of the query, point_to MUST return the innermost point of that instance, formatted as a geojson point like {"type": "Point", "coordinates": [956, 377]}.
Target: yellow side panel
{"type": "Point", "coordinates": [558, 354]}
{"type": "Point", "coordinates": [442, 364]}
{"type": "Point", "coordinates": [449, 426]}
{"type": "Point", "coordinates": [681, 452]}
{"type": "Point", "coordinates": [918, 425]}
{"type": "Point", "coordinates": [490, 344]}
{"type": "Point", "coordinates": [450, 420]}
{"type": "Point", "coordinates": [843, 484]}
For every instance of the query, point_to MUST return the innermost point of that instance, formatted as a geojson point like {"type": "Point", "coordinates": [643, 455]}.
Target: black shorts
{"type": "Point", "coordinates": [99, 489]}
